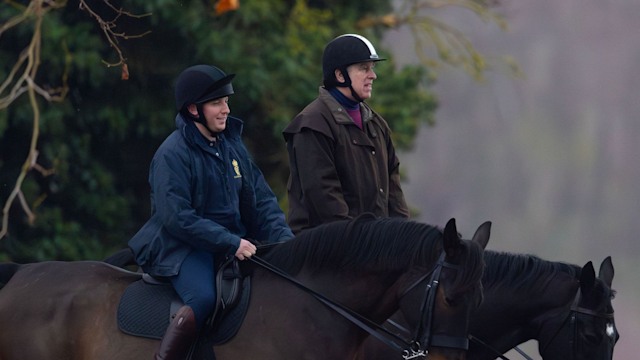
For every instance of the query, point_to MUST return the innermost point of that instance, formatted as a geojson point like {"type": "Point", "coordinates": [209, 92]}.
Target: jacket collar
{"type": "Point", "coordinates": [339, 112]}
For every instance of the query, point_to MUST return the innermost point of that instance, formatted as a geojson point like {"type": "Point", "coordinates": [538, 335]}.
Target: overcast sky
{"type": "Point", "coordinates": [551, 159]}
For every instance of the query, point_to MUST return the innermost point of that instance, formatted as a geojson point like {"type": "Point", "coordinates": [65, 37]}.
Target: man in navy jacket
{"type": "Point", "coordinates": [208, 197]}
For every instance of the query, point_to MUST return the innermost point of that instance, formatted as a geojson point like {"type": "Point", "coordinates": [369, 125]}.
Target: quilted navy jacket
{"type": "Point", "coordinates": [204, 195]}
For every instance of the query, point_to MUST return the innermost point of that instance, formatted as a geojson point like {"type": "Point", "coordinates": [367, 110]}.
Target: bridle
{"type": "Point", "coordinates": [422, 338]}
{"type": "Point", "coordinates": [570, 322]}
{"type": "Point", "coordinates": [425, 326]}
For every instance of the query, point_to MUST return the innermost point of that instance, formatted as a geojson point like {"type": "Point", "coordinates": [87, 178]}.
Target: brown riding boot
{"type": "Point", "coordinates": [179, 335]}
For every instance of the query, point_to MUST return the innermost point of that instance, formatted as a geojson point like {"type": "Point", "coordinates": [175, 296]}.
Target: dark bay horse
{"type": "Point", "coordinates": [67, 310]}
{"type": "Point", "coordinates": [564, 307]}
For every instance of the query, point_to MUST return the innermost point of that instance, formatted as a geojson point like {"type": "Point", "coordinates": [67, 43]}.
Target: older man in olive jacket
{"type": "Point", "coordinates": [339, 171]}
{"type": "Point", "coordinates": [341, 157]}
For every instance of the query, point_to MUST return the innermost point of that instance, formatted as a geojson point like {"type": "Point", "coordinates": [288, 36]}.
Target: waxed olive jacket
{"type": "Point", "coordinates": [337, 170]}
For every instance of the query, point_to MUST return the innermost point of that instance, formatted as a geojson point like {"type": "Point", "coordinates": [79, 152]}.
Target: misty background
{"type": "Point", "coordinates": [552, 158]}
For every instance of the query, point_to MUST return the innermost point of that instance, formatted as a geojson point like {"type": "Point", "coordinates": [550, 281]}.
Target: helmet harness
{"type": "Point", "coordinates": [345, 50]}
{"type": "Point", "coordinates": [199, 84]}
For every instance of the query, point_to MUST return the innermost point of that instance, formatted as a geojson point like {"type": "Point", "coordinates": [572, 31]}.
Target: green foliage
{"type": "Point", "coordinates": [57, 238]}
{"type": "Point", "coordinates": [101, 138]}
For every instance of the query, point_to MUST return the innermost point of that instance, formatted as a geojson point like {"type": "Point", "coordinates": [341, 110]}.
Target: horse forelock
{"type": "Point", "coordinates": [599, 297]}
{"type": "Point", "coordinates": [361, 244]}
{"type": "Point", "coordinates": [523, 271]}
{"type": "Point", "coordinates": [473, 264]}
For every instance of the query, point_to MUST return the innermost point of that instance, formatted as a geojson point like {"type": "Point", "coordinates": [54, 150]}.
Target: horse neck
{"type": "Point", "coordinates": [500, 323]}
{"type": "Point", "coordinates": [372, 295]}
{"type": "Point", "coordinates": [512, 315]}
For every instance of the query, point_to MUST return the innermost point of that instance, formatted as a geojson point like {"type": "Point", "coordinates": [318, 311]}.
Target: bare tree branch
{"type": "Point", "coordinates": [108, 29]}
{"type": "Point", "coordinates": [27, 64]}
{"type": "Point", "coordinates": [451, 45]}
{"type": "Point", "coordinates": [21, 79]}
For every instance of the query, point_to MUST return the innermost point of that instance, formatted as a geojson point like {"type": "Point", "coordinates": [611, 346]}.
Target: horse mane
{"type": "Point", "coordinates": [522, 270]}
{"type": "Point", "coordinates": [360, 244]}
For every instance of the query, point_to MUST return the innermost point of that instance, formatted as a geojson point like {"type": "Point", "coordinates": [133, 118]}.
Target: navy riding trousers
{"type": "Point", "coordinates": [195, 284]}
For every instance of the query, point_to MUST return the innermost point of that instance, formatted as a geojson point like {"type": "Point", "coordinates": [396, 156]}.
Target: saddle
{"type": "Point", "coordinates": [148, 305]}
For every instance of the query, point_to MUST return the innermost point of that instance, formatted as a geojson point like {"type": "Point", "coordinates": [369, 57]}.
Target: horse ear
{"type": "Point", "coordinates": [451, 238]}
{"type": "Point", "coordinates": [587, 278]}
{"type": "Point", "coordinates": [482, 234]}
{"type": "Point", "coordinates": [606, 271]}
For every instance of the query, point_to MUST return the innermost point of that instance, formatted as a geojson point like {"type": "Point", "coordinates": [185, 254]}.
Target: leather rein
{"type": "Point", "coordinates": [410, 349]}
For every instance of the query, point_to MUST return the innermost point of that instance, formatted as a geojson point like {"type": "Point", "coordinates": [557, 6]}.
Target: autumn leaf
{"type": "Point", "coordinates": [226, 5]}
{"type": "Point", "coordinates": [125, 72]}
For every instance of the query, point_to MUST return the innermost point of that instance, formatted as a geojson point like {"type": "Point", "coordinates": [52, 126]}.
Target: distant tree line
{"type": "Point", "coordinates": [86, 96]}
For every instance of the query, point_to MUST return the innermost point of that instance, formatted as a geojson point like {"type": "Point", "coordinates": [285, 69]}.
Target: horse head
{"type": "Point", "coordinates": [587, 329]}
{"type": "Point", "coordinates": [453, 291]}
{"type": "Point", "coordinates": [562, 306]}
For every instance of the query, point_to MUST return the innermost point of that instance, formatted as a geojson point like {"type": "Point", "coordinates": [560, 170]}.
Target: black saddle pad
{"type": "Point", "coordinates": [145, 310]}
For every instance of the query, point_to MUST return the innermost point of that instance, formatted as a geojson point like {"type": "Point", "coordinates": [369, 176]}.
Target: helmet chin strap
{"type": "Point", "coordinates": [355, 95]}
{"type": "Point", "coordinates": [202, 120]}
{"type": "Point", "coordinates": [347, 83]}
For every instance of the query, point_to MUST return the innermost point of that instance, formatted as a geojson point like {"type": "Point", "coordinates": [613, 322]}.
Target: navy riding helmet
{"type": "Point", "coordinates": [201, 83]}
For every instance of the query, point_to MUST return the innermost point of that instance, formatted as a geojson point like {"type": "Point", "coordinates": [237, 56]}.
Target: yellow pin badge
{"type": "Point", "coordinates": [236, 168]}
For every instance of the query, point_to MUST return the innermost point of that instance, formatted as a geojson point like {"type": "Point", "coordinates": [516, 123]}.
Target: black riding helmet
{"type": "Point", "coordinates": [343, 51]}
{"type": "Point", "coordinates": [199, 84]}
